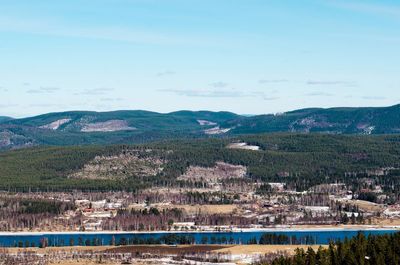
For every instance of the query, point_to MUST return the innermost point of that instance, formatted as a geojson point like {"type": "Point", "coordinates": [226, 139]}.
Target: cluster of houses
{"type": "Point", "coordinates": [94, 212]}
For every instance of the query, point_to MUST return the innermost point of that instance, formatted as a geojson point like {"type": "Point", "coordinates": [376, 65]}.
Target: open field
{"type": "Point", "coordinates": [387, 222]}
{"type": "Point", "coordinates": [172, 250]}
{"type": "Point", "coordinates": [156, 254]}
{"type": "Point", "coordinates": [262, 249]}
{"type": "Point", "coordinates": [193, 209]}
{"type": "Point", "coordinates": [49, 250]}
{"type": "Point", "coordinates": [365, 205]}
{"type": "Point", "coordinates": [168, 250]}
{"type": "Point", "coordinates": [209, 209]}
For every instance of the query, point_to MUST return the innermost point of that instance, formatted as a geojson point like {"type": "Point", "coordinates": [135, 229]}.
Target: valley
{"type": "Point", "coordinates": [278, 190]}
{"type": "Point", "coordinates": [203, 185]}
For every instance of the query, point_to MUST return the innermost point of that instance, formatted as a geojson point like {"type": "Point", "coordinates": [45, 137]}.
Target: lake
{"type": "Point", "coordinates": [123, 238]}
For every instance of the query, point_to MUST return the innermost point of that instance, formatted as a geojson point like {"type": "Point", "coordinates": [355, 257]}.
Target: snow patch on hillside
{"type": "Point", "coordinates": [206, 123]}
{"type": "Point", "coordinates": [107, 126]}
{"type": "Point", "coordinates": [216, 130]}
{"type": "Point", "coordinates": [243, 146]}
{"type": "Point", "coordinates": [55, 124]}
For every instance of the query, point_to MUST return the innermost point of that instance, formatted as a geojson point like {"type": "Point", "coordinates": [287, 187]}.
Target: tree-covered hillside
{"type": "Point", "coordinates": [84, 128]}
{"type": "Point", "coordinates": [4, 118]}
{"type": "Point", "coordinates": [300, 160]}
{"type": "Point", "coordinates": [335, 120]}
{"type": "Point", "coordinates": [127, 127]}
{"type": "Point", "coordinates": [372, 250]}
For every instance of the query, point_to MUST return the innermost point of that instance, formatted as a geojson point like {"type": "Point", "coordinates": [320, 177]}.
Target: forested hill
{"type": "Point", "coordinates": [4, 118]}
{"type": "Point", "coordinates": [120, 127]}
{"type": "Point", "coordinates": [335, 120]}
{"type": "Point", "coordinates": [117, 127]}
{"type": "Point", "coordinates": [299, 160]}
{"type": "Point", "coordinates": [372, 250]}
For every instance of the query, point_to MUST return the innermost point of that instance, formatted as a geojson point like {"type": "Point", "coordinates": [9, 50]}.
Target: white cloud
{"type": "Point", "coordinates": [165, 73]}
{"type": "Point", "coordinates": [43, 90]}
{"type": "Point", "coordinates": [331, 83]}
{"type": "Point", "coordinates": [219, 84]}
{"type": "Point", "coordinates": [112, 33]}
{"type": "Point", "coordinates": [272, 81]}
{"type": "Point", "coordinates": [218, 93]}
{"type": "Point", "coordinates": [95, 91]}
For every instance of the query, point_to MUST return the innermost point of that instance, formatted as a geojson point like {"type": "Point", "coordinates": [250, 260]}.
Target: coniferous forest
{"type": "Point", "coordinates": [299, 160]}
{"type": "Point", "coordinates": [360, 250]}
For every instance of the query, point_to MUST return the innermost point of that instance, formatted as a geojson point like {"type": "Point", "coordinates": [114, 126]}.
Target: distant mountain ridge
{"type": "Point", "coordinates": [4, 118]}
{"type": "Point", "coordinates": [137, 126]}
{"type": "Point", "coordinates": [367, 120]}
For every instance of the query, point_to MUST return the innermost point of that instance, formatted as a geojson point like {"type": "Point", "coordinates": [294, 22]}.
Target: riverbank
{"type": "Point", "coordinates": [234, 254]}
{"type": "Point", "coordinates": [281, 235]}
{"type": "Point", "coordinates": [282, 228]}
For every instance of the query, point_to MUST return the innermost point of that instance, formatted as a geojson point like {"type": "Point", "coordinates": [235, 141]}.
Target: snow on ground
{"type": "Point", "coordinates": [55, 124]}
{"type": "Point", "coordinates": [107, 126]}
{"type": "Point", "coordinates": [216, 130]}
{"type": "Point", "coordinates": [205, 123]}
{"type": "Point", "coordinates": [244, 146]}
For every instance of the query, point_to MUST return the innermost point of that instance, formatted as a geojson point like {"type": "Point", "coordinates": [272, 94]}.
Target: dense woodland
{"type": "Point", "coordinates": [360, 250]}
{"type": "Point", "coordinates": [299, 160]}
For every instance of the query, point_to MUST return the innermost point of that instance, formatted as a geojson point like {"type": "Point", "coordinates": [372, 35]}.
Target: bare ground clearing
{"type": "Point", "coordinates": [263, 249]}
{"type": "Point", "coordinates": [120, 167]}
{"type": "Point", "coordinates": [214, 174]}
{"type": "Point", "coordinates": [365, 205]}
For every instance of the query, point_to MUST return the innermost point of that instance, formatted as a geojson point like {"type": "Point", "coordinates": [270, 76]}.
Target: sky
{"type": "Point", "coordinates": [244, 56]}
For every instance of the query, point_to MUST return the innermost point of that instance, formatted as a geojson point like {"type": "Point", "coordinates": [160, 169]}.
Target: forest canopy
{"type": "Point", "coordinates": [300, 160]}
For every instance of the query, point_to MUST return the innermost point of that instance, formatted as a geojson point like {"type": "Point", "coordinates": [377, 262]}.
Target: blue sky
{"type": "Point", "coordinates": [246, 56]}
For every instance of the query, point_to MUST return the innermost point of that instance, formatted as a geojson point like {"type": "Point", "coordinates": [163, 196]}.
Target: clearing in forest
{"type": "Point", "coordinates": [214, 174]}
{"type": "Point", "coordinates": [121, 166]}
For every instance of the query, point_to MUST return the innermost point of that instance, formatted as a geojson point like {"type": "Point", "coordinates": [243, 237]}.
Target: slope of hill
{"type": "Point", "coordinates": [299, 160]}
{"type": "Point", "coordinates": [82, 127]}
{"type": "Point", "coordinates": [4, 118]}
{"type": "Point", "coordinates": [127, 127]}
{"type": "Point", "coordinates": [383, 120]}
{"type": "Point", "coordinates": [75, 121]}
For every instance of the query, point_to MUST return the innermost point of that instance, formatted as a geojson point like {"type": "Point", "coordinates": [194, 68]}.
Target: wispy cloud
{"type": "Point", "coordinates": [206, 93]}
{"type": "Point", "coordinates": [8, 105]}
{"type": "Point", "coordinates": [374, 98]}
{"type": "Point", "coordinates": [219, 84]}
{"type": "Point", "coordinates": [217, 93]}
{"type": "Point", "coordinates": [3, 89]}
{"type": "Point", "coordinates": [95, 91]}
{"type": "Point", "coordinates": [319, 94]}
{"type": "Point", "coordinates": [377, 8]}
{"type": "Point", "coordinates": [166, 73]}
{"type": "Point", "coordinates": [57, 28]}
{"type": "Point", "coordinates": [330, 83]}
{"type": "Point", "coordinates": [272, 81]}
{"type": "Point", "coordinates": [43, 90]}
{"type": "Point", "coordinates": [46, 105]}
{"type": "Point", "coordinates": [111, 99]}
{"type": "Point", "coordinates": [270, 98]}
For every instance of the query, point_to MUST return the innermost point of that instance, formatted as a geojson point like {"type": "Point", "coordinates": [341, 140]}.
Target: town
{"type": "Point", "coordinates": [220, 208]}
